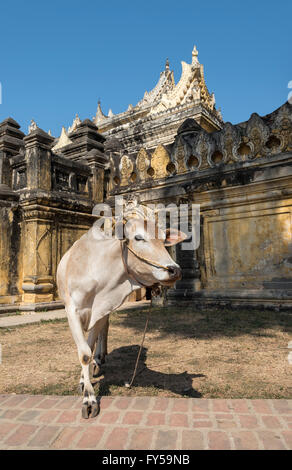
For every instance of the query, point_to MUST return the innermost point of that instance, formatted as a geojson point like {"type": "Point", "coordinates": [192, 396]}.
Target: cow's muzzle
{"type": "Point", "coordinates": [174, 272]}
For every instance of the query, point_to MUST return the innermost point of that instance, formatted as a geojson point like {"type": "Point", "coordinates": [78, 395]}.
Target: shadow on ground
{"type": "Point", "coordinates": [120, 363]}
{"type": "Point", "coordinates": [190, 322]}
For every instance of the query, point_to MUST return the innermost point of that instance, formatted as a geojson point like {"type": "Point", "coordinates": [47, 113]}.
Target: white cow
{"type": "Point", "coordinates": [95, 276]}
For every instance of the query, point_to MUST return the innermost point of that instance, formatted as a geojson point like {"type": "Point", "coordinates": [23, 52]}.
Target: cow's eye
{"type": "Point", "coordinates": [139, 237]}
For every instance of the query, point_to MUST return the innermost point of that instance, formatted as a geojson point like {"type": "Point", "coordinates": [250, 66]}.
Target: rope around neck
{"type": "Point", "coordinates": [146, 260]}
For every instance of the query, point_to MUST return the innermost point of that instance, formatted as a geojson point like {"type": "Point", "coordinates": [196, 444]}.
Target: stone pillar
{"type": "Point", "coordinates": [85, 138]}
{"type": "Point", "coordinates": [96, 161]}
{"type": "Point", "coordinates": [38, 158]}
{"type": "Point", "coordinates": [10, 256]}
{"type": "Point", "coordinates": [38, 285]}
{"type": "Point", "coordinates": [88, 147]}
{"type": "Point", "coordinates": [9, 246]}
{"type": "Point", "coordinates": [11, 140]}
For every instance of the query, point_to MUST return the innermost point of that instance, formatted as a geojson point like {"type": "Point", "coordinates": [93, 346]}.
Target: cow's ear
{"type": "Point", "coordinates": [174, 236]}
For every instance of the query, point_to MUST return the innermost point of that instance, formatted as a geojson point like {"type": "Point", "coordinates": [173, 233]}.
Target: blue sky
{"type": "Point", "coordinates": [59, 58]}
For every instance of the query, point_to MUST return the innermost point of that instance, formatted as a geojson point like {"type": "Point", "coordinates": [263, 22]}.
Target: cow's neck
{"type": "Point", "coordinates": [118, 287]}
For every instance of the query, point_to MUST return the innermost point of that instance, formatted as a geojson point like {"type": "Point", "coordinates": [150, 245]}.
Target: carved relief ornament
{"type": "Point", "coordinates": [126, 168]}
{"type": "Point", "coordinates": [159, 161]}
{"type": "Point", "coordinates": [142, 163]}
{"type": "Point", "coordinates": [257, 133]}
{"type": "Point", "coordinates": [230, 141]}
{"type": "Point", "coordinates": [283, 128]}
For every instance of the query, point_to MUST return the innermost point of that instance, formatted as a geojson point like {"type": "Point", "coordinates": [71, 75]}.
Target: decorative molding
{"type": "Point", "coordinates": [194, 149]}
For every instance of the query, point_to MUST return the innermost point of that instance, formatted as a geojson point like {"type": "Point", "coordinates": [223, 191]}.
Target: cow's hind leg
{"type": "Point", "coordinates": [101, 348]}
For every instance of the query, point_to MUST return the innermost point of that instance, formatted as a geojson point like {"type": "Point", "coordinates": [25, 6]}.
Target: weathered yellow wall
{"type": "Point", "coordinates": [248, 246]}
{"type": "Point", "coordinates": [241, 177]}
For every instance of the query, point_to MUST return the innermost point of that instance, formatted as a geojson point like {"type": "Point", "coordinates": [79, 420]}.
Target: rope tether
{"type": "Point", "coordinates": [129, 385]}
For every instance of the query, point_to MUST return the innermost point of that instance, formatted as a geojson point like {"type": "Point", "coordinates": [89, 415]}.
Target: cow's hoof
{"type": "Point", "coordinates": [94, 410]}
{"type": "Point", "coordinates": [90, 410]}
{"type": "Point", "coordinates": [85, 410]}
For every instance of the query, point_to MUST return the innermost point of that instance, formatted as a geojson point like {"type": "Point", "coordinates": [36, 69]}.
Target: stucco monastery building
{"type": "Point", "coordinates": [171, 147]}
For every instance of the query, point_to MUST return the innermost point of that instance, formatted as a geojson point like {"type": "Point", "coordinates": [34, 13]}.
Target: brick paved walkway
{"type": "Point", "coordinates": [53, 422]}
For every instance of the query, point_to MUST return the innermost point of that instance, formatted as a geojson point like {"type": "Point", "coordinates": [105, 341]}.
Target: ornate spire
{"type": "Point", "coordinates": [62, 141]}
{"type": "Point", "coordinates": [75, 123]}
{"type": "Point", "coordinates": [99, 114]}
{"type": "Point", "coordinates": [164, 84]}
{"type": "Point", "coordinates": [191, 87]}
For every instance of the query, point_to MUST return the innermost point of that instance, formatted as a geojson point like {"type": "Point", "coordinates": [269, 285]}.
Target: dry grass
{"type": "Point", "coordinates": [211, 353]}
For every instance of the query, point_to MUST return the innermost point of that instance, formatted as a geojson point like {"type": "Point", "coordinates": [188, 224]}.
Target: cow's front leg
{"type": "Point", "coordinates": [90, 405]}
{"type": "Point", "coordinates": [101, 348]}
{"type": "Point", "coordinates": [85, 352]}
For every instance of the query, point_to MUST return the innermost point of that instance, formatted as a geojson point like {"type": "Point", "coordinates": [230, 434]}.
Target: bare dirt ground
{"type": "Point", "coordinates": [210, 353]}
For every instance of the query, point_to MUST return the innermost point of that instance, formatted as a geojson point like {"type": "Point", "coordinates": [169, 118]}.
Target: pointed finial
{"type": "Point", "coordinates": [33, 126]}
{"type": "Point", "coordinates": [99, 114]}
{"type": "Point", "coordinates": [195, 55]}
{"type": "Point", "coordinates": [99, 107]}
{"type": "Point", "coordinates": [167, 64]}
